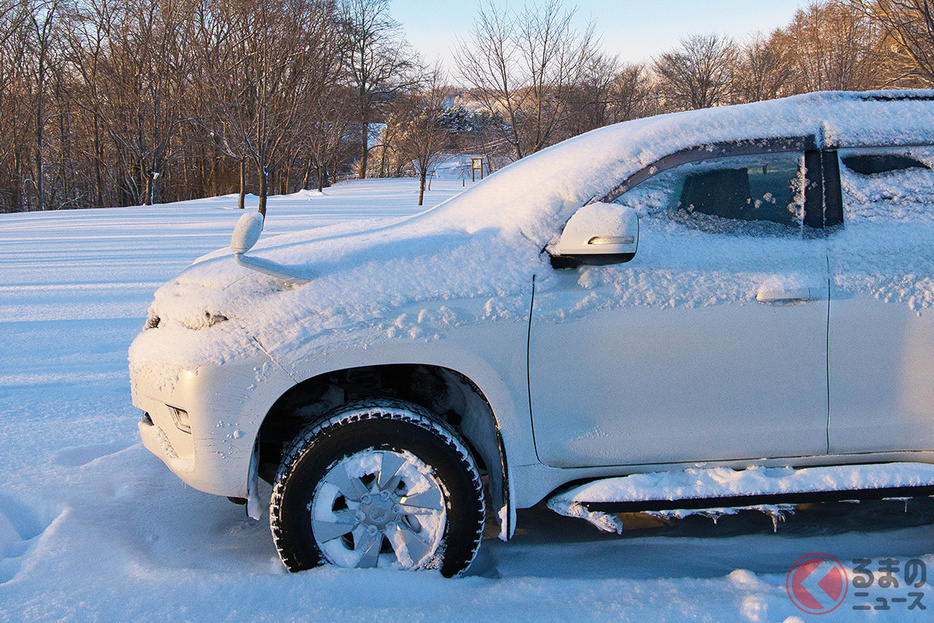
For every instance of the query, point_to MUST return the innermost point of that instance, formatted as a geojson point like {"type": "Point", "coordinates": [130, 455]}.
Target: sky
{"type": "Point", "coordinates": [636, 30]}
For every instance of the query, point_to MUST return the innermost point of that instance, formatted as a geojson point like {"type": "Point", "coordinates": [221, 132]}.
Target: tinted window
{"type": "Point", "coordinates": [873, 164]}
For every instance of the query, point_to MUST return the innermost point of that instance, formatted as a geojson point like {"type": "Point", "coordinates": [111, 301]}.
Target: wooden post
{"type": "Point", "coordinates": [476, 165]}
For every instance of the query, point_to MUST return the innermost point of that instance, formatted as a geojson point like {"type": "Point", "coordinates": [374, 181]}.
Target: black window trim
{"type": "Point", "coordinates": [750, 147]}
{"type": "Point", "coordinates": [823, 195]}
{"type": "Point", "coordinates": [832, 185]}
{"type": "Point", "coordinates": [833, 188]}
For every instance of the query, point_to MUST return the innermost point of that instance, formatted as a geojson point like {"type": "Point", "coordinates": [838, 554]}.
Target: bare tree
{"type": "Point", "coordinates": [629, 94]}
{"type": "Point", "coordinates": [220, 88]}
{"type": "Point", "coordinates": [487, 61]}
{"type": "Point", "coordinates": [325, 143]}
{"type": "Point", "coordinates": [15, 101]}
{"type": "Point", "coordinates": [698, 74]}
{"type": "Point", "coordinates": [834, 47]}
{"type": "Point", "coordinates": [524, 67]}
{"type": "Point", "coordinates": [259, 74]}
{"type": "Point", "coordinates": [377, 61]}
{"type": "Point", "coordinates": [763, 69]}
{"type": "Point", "coordinates": [43, 22]}
{"type": "Point", "coordinates": [910, 25]}
{"type": "Point", "coordinates": [589, 101]}
{"type": "Point", "coordinates": [84, 49]}
{"type": "Point", "coordinates": [135, 85]}
{"type": "Point", "coordinates": [423, 131]}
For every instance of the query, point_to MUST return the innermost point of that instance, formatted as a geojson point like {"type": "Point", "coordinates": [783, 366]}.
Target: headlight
{"type": "Point", "coordinates": [181, 419]}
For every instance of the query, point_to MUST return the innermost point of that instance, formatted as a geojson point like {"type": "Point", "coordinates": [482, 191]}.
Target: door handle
{"type": "Point", "coordinates": [768, 293]}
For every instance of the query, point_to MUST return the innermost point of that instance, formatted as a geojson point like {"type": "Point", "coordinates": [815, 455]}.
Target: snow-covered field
{"type": "Point", "coordinates": [94, 528]}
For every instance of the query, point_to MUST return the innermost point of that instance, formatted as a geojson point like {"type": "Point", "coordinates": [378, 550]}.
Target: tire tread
{"type": "Point", "coordinates": [367, 410]}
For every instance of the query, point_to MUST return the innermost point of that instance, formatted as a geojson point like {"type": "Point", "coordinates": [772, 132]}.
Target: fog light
{"type": "Point", "coordinates": [181, 419]}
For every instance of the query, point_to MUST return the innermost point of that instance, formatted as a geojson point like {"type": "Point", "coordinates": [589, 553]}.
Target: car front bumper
{"type": "Point", "coordinates": [226, 405]}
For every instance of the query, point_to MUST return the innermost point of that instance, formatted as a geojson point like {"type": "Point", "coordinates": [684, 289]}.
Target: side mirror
{"type": "Point", "coordinates": [247, 232]}
{"type": "Point", "coordinates": [598, 234]}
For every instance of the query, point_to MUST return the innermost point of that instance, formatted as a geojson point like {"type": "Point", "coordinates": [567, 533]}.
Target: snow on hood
{"type": "Point", "coordinates": [211, 311]}
{"type": "Point", "coordinates": [484, 243]}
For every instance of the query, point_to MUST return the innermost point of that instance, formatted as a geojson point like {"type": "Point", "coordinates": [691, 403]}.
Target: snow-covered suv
{"type": "Point", "coordinates": [681, 311]}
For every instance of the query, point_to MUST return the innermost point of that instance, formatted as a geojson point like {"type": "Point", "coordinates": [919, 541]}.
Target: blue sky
{"type": "Point", "coordinates": [636, 30]}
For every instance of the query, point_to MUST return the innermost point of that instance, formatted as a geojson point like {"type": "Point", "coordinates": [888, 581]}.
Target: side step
{"type": "Point", "coordinates": [722, 487]}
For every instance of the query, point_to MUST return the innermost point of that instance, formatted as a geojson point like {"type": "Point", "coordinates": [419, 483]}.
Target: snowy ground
{"type": "Point", "coordinates": [94, 528]}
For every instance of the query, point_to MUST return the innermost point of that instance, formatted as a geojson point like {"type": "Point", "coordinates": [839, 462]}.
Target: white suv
{"type": "Point", "coordinates": [684, 311]}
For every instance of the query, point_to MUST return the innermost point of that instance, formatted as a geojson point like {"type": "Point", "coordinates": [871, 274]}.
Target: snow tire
{"type": "Point", "coordinates": [325, 507]}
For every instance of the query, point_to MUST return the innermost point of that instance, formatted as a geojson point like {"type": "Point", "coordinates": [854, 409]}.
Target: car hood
{"type": "Point", "coordinates": [361, 275]}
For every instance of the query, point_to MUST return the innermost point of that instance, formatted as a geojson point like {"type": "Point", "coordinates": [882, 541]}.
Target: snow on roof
{"type": "Point", "coordinates": [540, 192]}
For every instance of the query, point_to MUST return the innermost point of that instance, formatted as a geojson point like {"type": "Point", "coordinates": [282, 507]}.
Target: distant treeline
{"type": "Point", "coordinates": [109, 103]}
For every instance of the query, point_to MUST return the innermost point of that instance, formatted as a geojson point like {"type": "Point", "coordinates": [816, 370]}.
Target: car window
{"type": "Point", "coordinates": [747, 194]}
{"type": "Point", "coordinates": [874, 163]}
{"type": "Point", "coordinates": [888, 184]}
{"type": "Point", "coordinates": [883, 252]}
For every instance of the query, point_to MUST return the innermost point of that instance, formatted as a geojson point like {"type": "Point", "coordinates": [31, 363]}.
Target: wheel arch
{"type": "Point", "coordinates": [446, 393]}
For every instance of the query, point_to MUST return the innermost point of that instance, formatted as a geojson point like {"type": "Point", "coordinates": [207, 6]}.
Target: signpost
{"type": "Point", "coordinates": [476, 165]}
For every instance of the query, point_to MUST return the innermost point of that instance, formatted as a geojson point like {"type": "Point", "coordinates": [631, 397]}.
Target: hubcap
{"type": "Point", "coordinates": [379, 507]}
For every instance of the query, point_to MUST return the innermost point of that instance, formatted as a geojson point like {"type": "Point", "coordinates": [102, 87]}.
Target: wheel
{"type": "Point", "coordinates": [380, 483]}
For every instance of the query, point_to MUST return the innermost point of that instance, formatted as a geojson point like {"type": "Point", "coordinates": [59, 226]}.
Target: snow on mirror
{"type": "Point", "coordinates": [598, 234]}
{"type": "Point", "coordinates": [246, 234]}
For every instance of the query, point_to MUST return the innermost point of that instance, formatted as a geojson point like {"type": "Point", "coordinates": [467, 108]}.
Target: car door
{"type": "Point", "coordinates": [711, 344]}
{"type": "Point", "coordinates": [882, 303]}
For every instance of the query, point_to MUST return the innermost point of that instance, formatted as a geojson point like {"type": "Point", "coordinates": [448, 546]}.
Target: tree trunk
{"type": "Point", "coordinates": [147, 198]}
{"type": "Point", "coordinates": [242, 200]}
{"type": "Point", "coordinates": [212, 172]}
{"type": "Point", "coordinates": [364, 147]}
{"type": "Point", "coordinates": [307, 177]}
{"type": "Point", "coordinates": [422, 175]}
{"type": "Point", "coordinates": [40, 106]}
{"type": "Point", "coordinates": [383, 165]}
{"type": "Point", "coordinates": [263, 190]}
{"type": "Point", "coordinates": [98, 164]}
{"type": "Point", "coordinates": [187, 159]}
{"type": "Point", "coordinates": [202, 162]}
{"type": "Point", "coordinates": [65, 166]}
{"type": "Point", "coordinates": [16, 190]}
